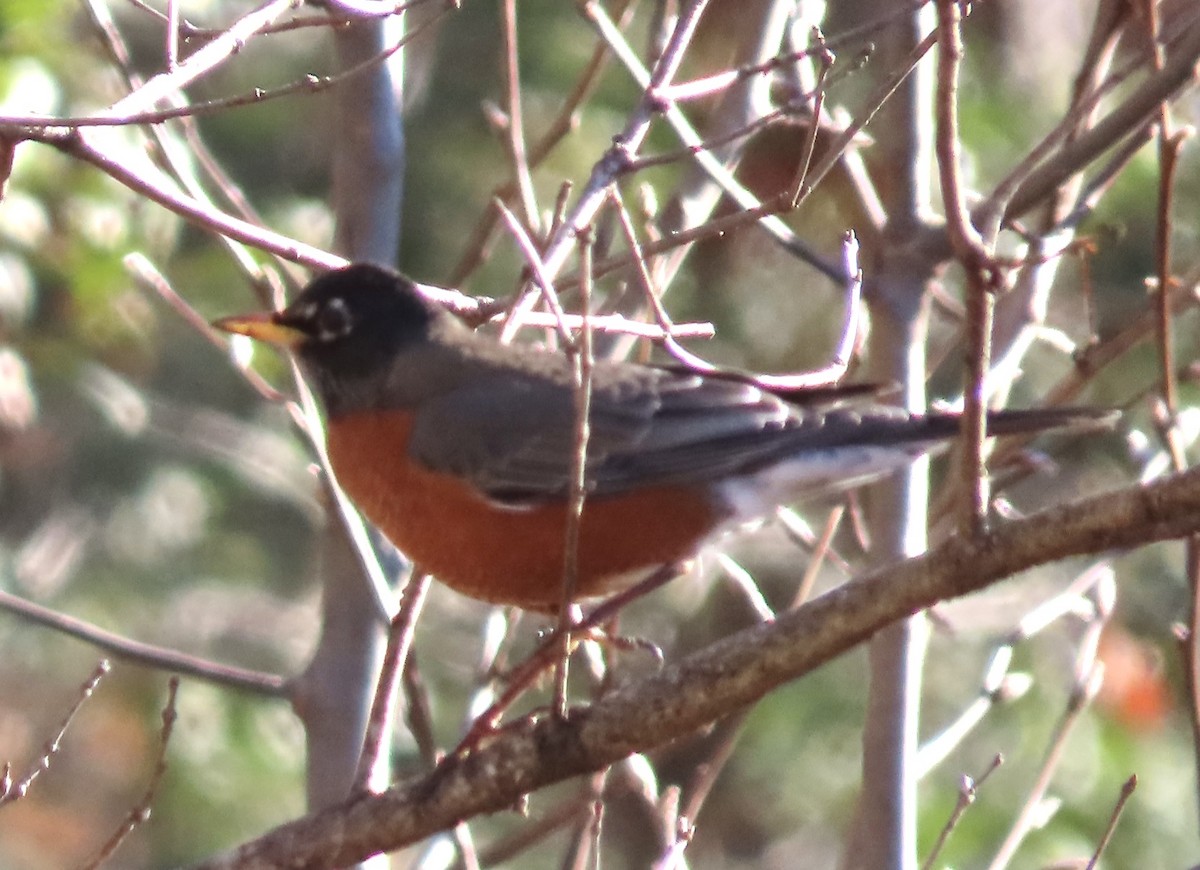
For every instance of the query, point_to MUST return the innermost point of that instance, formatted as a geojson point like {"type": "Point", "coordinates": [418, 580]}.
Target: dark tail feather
{"type": "Point", "coordinates": [945, 425]}
{"type": "Point", "coordinates": [1029, 420]}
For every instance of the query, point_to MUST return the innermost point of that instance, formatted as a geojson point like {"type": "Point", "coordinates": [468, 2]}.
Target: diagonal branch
{"type": "Point", "coordinates": [1140, 106]}
{"type": "Point", "coordinates": [229, 43]}
{"type": "Point", "coordinates": [146, 654]}
{"type": "Point", "coordinates": [719, 679]}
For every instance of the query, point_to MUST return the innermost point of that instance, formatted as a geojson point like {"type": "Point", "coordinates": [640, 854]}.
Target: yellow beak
{"type": "Point", "coordinates": [262, 327]}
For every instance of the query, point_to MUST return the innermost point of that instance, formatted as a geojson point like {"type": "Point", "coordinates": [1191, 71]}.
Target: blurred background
{"type": "Point", "coordinates": [146, 488]}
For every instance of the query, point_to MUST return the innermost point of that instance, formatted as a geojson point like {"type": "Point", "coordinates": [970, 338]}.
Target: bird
{"type": "Point", "coordinates": [461, 449]}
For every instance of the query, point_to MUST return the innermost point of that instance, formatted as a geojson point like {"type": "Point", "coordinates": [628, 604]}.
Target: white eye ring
{"type": "Point", "coordinates": [306, 311]}
{"type": "Point", "coordinates": [333, 321]}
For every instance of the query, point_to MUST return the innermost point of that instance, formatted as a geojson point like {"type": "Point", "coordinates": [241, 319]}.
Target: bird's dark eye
{"type": "Point", "coordinates": [333, 321]}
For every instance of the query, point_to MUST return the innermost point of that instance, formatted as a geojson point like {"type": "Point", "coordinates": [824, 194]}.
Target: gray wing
{"type": "Point", "coordinates": [513, 438]}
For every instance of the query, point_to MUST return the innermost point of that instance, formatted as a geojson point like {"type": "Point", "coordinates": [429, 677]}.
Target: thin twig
{"type": "Point", "coordinates": [618, 324]}
{"type": "Point", "coordinates": [582, 365]}
{"type": "Point", "coordinates": [527, 836]}
{"type": "Point", "coordinates": [1094, 358]}
{"type": "Point", "coordinates": [629, 140]}
{"type": "Point", "coordinates": [606, 170]}
{"type": "Point", "coordinates": [419, 711]}
{"type": "Point", "coordinates": [583, 852]}
{"type": "Point", "coordinates": [800, 187]}
{"type": "Point", "coordinates": [715, 168]}
{"type": "Point", "coordinates": [668, 157]}
{"type": "Point", "coordinates": [802, 535]}
{"type": "Point", "coordinates": [713, 84]}
{"type": "Point", "coordinates": [369, 8]}
{"type": "Point", "coordinates": [516, 117]}
{"type": "Point", "coordinates": [714, 228]}
{"type": "Point", "coordinates": [147, 655]}
{"type": "Point", "coordinates": [1089, 677]}
{"type": "Point", "coordinates": [193, 32]}
{"type": "Point", "coordinates": [148, 276]}
{"type": "Point", "coordinates": [1103, 178]}
{"type": "Point", "coordinates": [816, 558]}
{"type": "Point", "coordinates": [1087, 93]}
{"type": "Point", "coordinates": [1021, 311]}
{"type": "Point", "coordinates": [153, 187]}
{"type": "Point", "coordinates": [880, 95]}
{"type": "Point", "coordinates": [999, 685]}
{"type": "Point", "coordinates": [309, 84]}
{"type": "Point", "coordinates": [1170, 144]}
{"type": "Point", "coordinates": [1127, 790]}
{"type": "Point", "coordinates": [967, 792]}
{"type": "Point", "coordinates": [745, 586]}
{"type": "Point", "coordinates": [172, 35]}
{"type": "Point", "coordinates": [465, 843]}
{"type": "Point", "coordinates": [974, 252]}
{"type": "Point", "coordinates": [785, 382]}
{"type": "Point", "coordinates": [225, 46]}
{"type": "Point", "coordinates": [564, 122]}
{"type": "Point", "coordinates": [15, 791]}
{"type": "Point", "coordinates": [1169, 148]}
{"type": "Point", "coordinates": [181, 158]}
{"type": "Point", "coordinates": [842, 355]}
{"type": "Point", "coordinates": [703, 780]}
{"type": "Point", "coordinates": [140, 812]}
{"type": "Point", "coordinates": [543, 278]}
{"type": "Point", "coordinates": [546, 655]}
{"type": "Point", "coordinates": [1141, 104]}
{"type": "Point", "coordinates": [1191, 656]}
{"type": "Point", "coordinates": [395, 661]}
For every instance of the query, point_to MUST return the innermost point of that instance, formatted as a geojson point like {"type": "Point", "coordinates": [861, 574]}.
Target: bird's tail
{"type": "Point", "coordinates": [1027, 421]}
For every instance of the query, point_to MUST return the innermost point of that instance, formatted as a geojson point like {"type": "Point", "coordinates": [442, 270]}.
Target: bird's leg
{"type": "Point", "coordinates": [544, 657]}
{"type": "Point", "coordinates": [519, 679]}
{"type": "Point", "coordinates": [611, 606]}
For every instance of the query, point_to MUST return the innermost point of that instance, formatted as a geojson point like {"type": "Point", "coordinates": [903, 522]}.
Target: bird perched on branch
{"type": "Point", "coordinates": [461, 449]}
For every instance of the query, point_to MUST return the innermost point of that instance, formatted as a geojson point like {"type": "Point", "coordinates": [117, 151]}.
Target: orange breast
{"type": "Point", "coordinates": [508, 556]}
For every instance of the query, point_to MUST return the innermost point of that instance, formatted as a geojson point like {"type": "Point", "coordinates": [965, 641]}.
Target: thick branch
{"type": "Point", "coordinates": [719, 679]}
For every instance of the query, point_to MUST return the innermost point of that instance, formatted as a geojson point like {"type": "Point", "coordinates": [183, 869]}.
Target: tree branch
{"type": "Point", "coordinates": [145, 654]}
{"type": "Point", "coordinates": [719, 679]}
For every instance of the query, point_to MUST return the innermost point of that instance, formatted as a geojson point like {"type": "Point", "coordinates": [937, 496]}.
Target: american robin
{"type": "Point", "coordinates": [460, 448]}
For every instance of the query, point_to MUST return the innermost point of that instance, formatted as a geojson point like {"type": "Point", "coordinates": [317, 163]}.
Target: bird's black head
{"type": "Point", "coordinates": [350, 323]}
{"type": "Point", "coordinates": [348, 328]}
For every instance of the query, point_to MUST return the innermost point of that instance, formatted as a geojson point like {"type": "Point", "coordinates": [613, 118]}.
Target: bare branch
{"type": "Point", "coordinates": [1127, 790]}
{"type": "Point", "coordinates": [1140, 105]}
{"type": "Point", "coordinates": [967, 793]}
{"type": "Point", "coordinates": [141, 811]}
{"type": "Point", "coordinates": [15, 791]}
{"type": "Point", "coordinates": [730, 673]}
{"type": "Point", "coordinates": [395, 661]}
{"type": "Point", "coordinates": [231, 40]}
{"type": "Point", "coordinates": [145, 654]}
